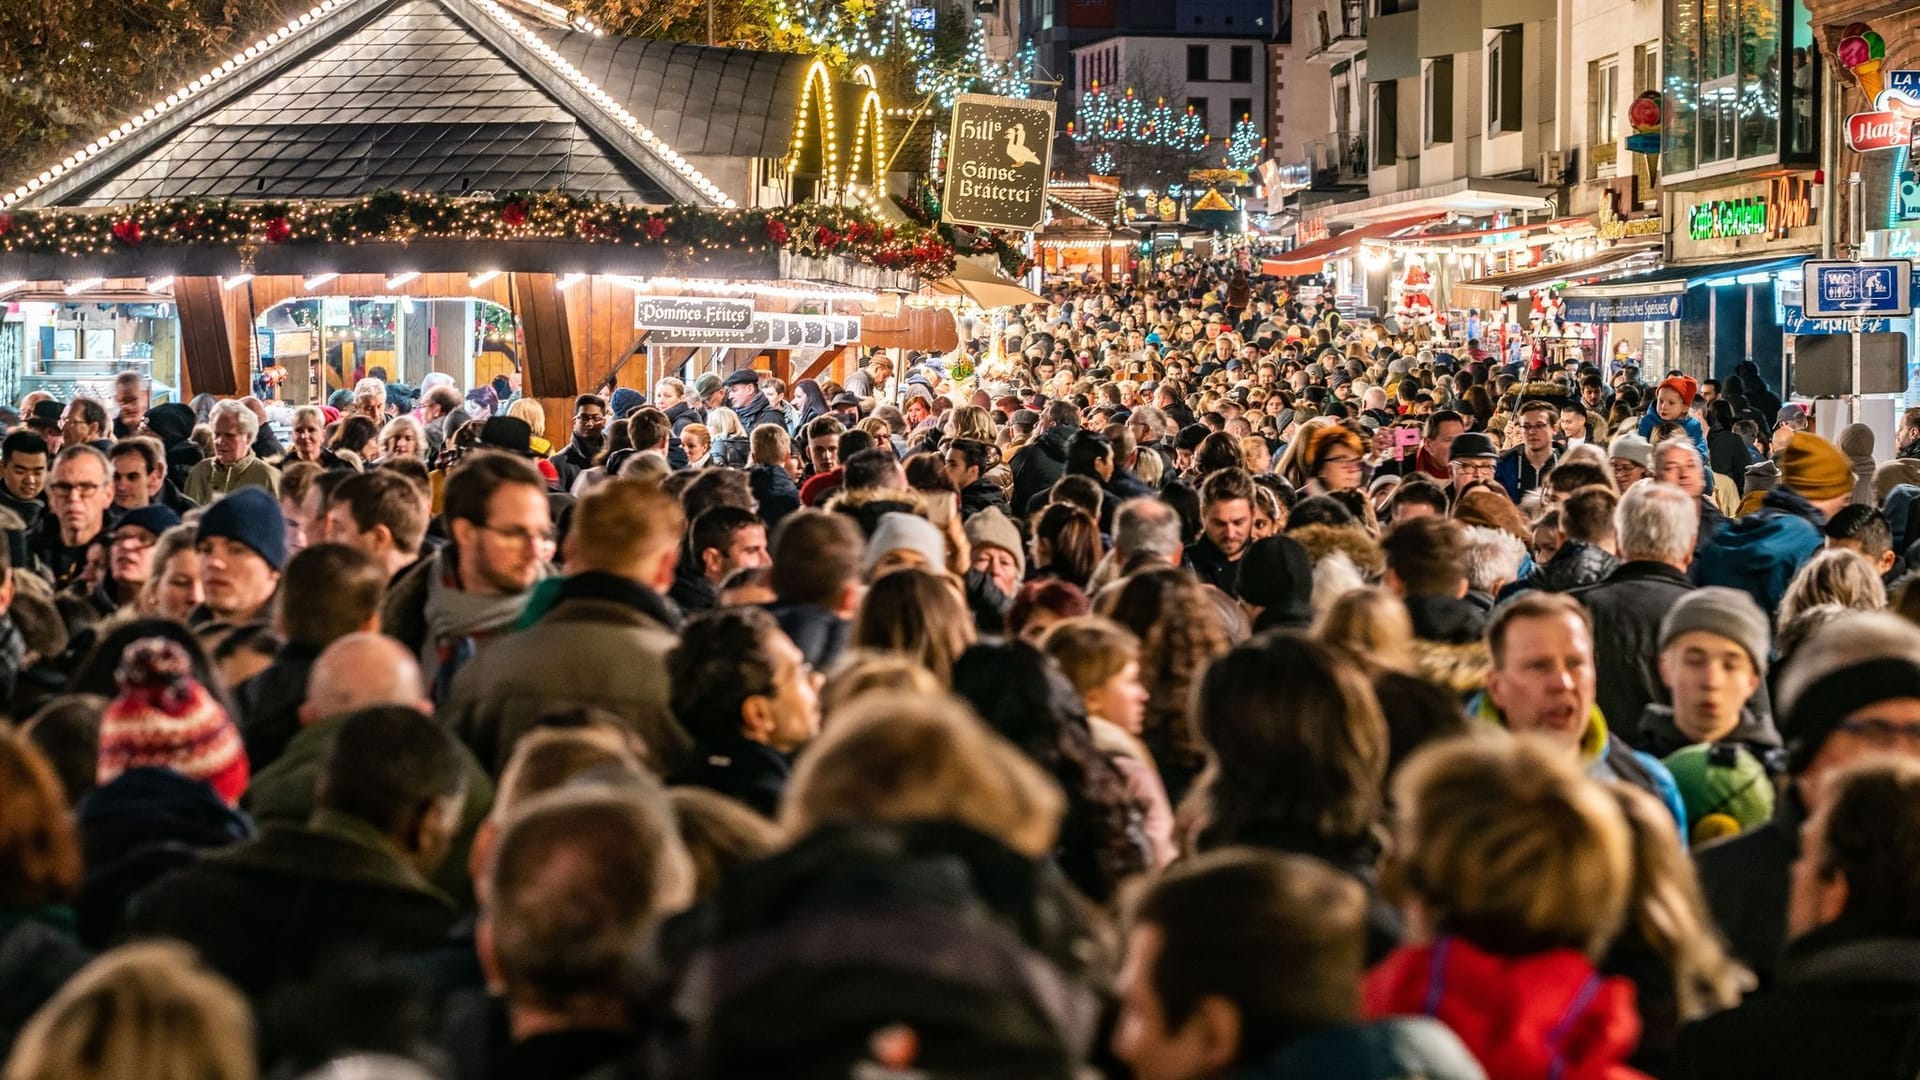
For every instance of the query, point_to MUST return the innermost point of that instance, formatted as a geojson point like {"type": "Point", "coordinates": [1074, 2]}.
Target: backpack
{"type": "Point", "coordinates": [873, 950]}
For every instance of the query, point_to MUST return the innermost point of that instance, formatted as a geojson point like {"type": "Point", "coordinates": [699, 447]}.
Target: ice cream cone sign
{"type": "Point", "coordinates": [1863, 53]}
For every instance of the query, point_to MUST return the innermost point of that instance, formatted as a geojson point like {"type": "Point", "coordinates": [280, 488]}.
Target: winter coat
{"type": "Point", "coordinates": [1760, 553]}
{"type": "Point", "coordinates": [268, 912]}
{"type": "Point", "coordinates": [752, 773]}
{"type": "Point", "coordinates": [270, 703]}
{"type": "Point", "coordinates": [604, 644]}
{"type": "Point", "coordinates": [758, 410]}
{"type": "Point", "coordinates": [774, 492]}
{"type": "Point", "coordinates": [980, 495]}
{"type": "Point", "coordinates": [1627, 607]}
{"type": "Point", "coordinates": [1746, 878]}
{"type": "Point", "coordinates": [210, 479]}
{"type": "Point", "coordinates": [38, 954]}
{"type": "Point", "coordinates": [282, 794]}
{"type": "Point", "coordinates": [819, 634]}
{"type": "Point", "coordinates": [682, 415]}
{"type": "Point", "coordinates": [867, 506]}
{"type": "Point", "coordinates": [1402, 1048]}
{"type": "Point", "coordinates": [1212, 567]}
{"type": "Point", "coordinates": [1547, 1016]}
{"type": "Point", "coordinates": [1846, 1003]}
{"type": "Point", "coordinates": [1515, 472]}
{"type": "Point", "coordinates": [1575, 565]}
{"type": "Point", "coordinates": [1727, 455]}
{"type": "Point", "coordinates": [1657, 735]}
{"type": "Point", "coordinates": [1447, 646]}
{"type": "Point", "coordinates": [135, 830]}
{"type": "Point", "coordinates": [1038, 464]}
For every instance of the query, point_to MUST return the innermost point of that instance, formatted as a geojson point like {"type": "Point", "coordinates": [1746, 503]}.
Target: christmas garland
{"type": "Point", "coordinates": [808, 229]}
{"type": "Point", "coordinates": [966, 238]}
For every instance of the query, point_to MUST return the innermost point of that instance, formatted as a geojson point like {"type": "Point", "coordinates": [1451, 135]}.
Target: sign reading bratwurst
{"type": "Point", "coordinates": [997, 157]}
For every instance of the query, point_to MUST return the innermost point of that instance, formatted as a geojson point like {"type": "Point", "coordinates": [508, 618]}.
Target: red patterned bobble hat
{"type": "Point", "coordinates": [164, 717]}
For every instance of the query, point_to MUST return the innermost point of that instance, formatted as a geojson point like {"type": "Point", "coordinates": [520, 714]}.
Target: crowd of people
{"type": "Point", "coordinates": [1205, 687]}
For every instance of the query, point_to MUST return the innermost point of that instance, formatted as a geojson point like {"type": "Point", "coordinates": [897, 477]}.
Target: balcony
{"type": "Point", "coordinates": [1338, 159]}
{"type": "Point", "coordinates": [1337, 34]}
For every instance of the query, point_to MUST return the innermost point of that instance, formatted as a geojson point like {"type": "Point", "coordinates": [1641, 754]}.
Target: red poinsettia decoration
{"type": "Point", "coordinates": [826, 237]}
{"type": "Point", "coordinates": [127, 231]}
{"type": "Point", "coordinates": [656, 228]}
{"type": "Point", "coordinates": [278, 230]}
{"type": "Point", "coordinates": [514, 214]}
{"type": "Point", "coordinates": [6, 224]}
{"type": "Point", "coordinates": [776, 230]}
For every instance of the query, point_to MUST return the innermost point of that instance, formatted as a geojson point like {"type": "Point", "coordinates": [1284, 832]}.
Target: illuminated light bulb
{"type": "Point", "coordinates": [235, 282]}
{"type": "Point", "coordinates": [482, 278]}
{"type": "Point", "coordinates": [160, 284]}
{"type": "Point", "coordinates": [398, 280]}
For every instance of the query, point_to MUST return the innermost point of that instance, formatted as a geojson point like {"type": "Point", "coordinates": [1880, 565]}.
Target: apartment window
{"type": "Point", "coordinates": [1198, 107]}
{"type": "Point", "coordinates": [1646, 68]}
{"type": "Point", "coordinates": [1603, 102]}
{"type": "Point", "coordinates": [1503, 82]}
{"type": "Point", "coordinates": [1386, 125]}
{"type": "Point", "coordinates": [1242, 64]}
{"type": "Point", "coordinates": [1241, 108]}
{"type": "Point", "coordinates": [1196, 63]}
{"type": "Point", "coordinates": [1438, 90]}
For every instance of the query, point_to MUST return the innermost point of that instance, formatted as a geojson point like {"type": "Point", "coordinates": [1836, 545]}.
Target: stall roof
{"type": "Point", "coordinates": [1310, 258]}
{"type": "Point", "coordinates": [438, 96]}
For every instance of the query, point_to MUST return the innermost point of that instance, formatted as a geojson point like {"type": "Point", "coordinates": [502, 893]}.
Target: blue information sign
{"type": "Point", "coordinates": [1620, 309]}
{"type": "Point", "coordinates": [1839, 290]}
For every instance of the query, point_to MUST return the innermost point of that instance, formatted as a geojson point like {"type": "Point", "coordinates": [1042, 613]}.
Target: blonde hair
{"type": "Point", "coordinates": [141, 1012]}
{"type": "Point", "coordinates": [1510, 847]}
{"type": "Point", "coordinates": [1669, 913]}
{"type": "Point", "coordinates": [723, 423]}
{"type": "Point", "coordinates": [972, 422]}
{"type": "Point", "coordinates": [1371, 626]}
{"type": "Point", "coordinates": [530, 411]}
{"type": "Point", "coordinates": [905, 758]}
{"type": "Point", "coordinates": [1090, 649]}
{"type": "Point", "coordinates": [621, 521]}
{"type": "Point", "coordinates": [1837, 576]}
{"type": "Point", "coordinates": [862, 672]}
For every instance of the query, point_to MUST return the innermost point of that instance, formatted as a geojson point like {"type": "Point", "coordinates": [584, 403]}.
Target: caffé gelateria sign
{"type": "Point", "coordinates": [998, 152]}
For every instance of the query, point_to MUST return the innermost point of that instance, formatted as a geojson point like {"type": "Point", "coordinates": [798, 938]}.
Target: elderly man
{"type": "Point", "coordinates": [233, 465]}
{"type": "Point", "coordinates": [77, 500]}
{"type": "Point", "coordinates": [747, 402]}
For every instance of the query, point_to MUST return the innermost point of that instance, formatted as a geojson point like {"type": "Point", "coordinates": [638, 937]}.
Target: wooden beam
{"type": "Point", "coordinates": [546, 368]}
{"type": "Point", "coordinates": [822, 362]}
{"type": "Point", "coordinates": [206, 347]}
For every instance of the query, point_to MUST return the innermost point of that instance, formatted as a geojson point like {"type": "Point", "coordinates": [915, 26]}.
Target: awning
{"type": "Point", "coordinates": [1613, 260]}
{"type": "Point", "coordinates": [1312, 258]}
{"type": "Point", "coordinates": [982, 286]}
{"type": "Point", "coordinates": [1659, 295]}
{"type": "Point", "coordinates": [1468, 195]}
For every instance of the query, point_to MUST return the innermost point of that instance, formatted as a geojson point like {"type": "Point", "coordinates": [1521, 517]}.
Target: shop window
{"type": "Point", "coordinates": [1196, 63]}
{"type": "Point", "coordinates": [327, 343]}
{"type": "Point", "coordinates": [1438, 91]}
{"type": "Point", "coordinates": [1741, 84]}
{"type": "Point", "coordinates": [1503, 82]}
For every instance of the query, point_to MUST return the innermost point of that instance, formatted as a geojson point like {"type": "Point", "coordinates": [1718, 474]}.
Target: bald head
{"type": "Point", "coordinates": [360, 671]}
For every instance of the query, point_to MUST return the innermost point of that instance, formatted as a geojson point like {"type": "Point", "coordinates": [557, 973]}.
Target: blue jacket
{"type": "Point", "coordinates": [1760, 552]}
{"type": "Point", "coordinates": [1651, 419]}
{"type": "Point", "coordinates": [1515, 473]}
{"type": "Point", "coordinates": [1400, 1048]}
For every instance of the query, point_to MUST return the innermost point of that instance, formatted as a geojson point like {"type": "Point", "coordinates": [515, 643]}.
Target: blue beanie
{"type": "Point", "coordinates": [625, 400]}
{"type": "Point", "coordinates": [251, 517]}
{"type": "Point", "coordinates": [156, 518]}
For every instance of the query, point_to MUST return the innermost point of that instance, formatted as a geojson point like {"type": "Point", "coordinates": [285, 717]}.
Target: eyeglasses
{"type": "Point", "coordinates": [590, 419]}
{"type": "Point", "coordinates": [64, 488]}
{"type": "Point", "coordinates": [522, 536]}
{"type": "Point", "coordinates": [1536, 427]}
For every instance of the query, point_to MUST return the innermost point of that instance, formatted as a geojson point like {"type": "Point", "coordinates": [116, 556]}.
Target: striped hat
{"type": "Point", "coordinates": [164, 717]}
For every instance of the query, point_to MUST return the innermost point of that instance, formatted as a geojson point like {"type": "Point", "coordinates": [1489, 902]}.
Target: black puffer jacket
{"type": "Point", "coordinates": [1627, 607]}
{"type": "Point", "coordinates": [1574, 566]}
{"type": "Point", "coordinates": [1038, 464]}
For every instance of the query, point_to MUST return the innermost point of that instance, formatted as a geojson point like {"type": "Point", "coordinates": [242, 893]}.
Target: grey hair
{"type": "Point", "coordinates": [1656, 522]}
{"type": "Point", "coordinates": [1850, 639]}
{"type": "Point", "coordinates": [229, 407]}
{"type": "Point", "coordinates": [1493, 557]}
{"type": "Point", "coordinates": [1146, 526]}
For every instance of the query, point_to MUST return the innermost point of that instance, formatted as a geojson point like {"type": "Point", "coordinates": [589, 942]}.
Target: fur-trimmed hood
{"type": "Point", "coordinates": [1323, 540]}
{"type": "Point", "coordinates": [1461, 668]}
{"type": "Point", "coordinates": [867, 506]}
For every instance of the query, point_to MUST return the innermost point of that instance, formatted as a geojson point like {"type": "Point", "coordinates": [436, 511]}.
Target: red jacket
{"type": "Point", "coordinates": [1549, 1016]}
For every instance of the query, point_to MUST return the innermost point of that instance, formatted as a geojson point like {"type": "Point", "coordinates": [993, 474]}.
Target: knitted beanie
{"type": "Point", "coordinates": [1730, 613]}
{"type": "Point", "coordinates": [164, 717]}
{"type": "Point", "coordinates": [1816, 468]}
{"type": "Point", "coordinates": [1682, 385]}
{"type": "Point", "coordinates": [992, 528]}
{"type": "Point", "coordinates": [251, 517]}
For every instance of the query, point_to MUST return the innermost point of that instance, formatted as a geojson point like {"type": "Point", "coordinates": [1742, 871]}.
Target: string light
{"type": "Point", "coordinates": [570, 280]}
{"type": "Point", "coordinates": [235, 281]}
{"type": "Point", "coordinates": [83, 285]}
{"type": "Point", "coordinates": [317, 280]}
{"type": "Point", "coordinates": [811, 291]}
{"type": "Point", "coordinates": [398, 280]}
{"type": "Point", "coordinates": [164, 284]}
{"type": "Point", "coordinates": [482, 278]}
{"type": "Point", "coordinates": [1245, 147]}
{"type": "Point", "coordinates": [1110, 121]}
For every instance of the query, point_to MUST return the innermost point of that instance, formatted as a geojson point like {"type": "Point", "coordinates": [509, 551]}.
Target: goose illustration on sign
{"type": "Point", "coordinates": [998, 154]}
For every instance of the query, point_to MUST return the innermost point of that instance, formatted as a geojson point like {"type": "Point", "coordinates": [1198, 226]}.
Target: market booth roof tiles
{"type": "Point", "coordinates": [446, 97]}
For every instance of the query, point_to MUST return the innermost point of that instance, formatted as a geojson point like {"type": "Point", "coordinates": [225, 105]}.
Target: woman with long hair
{"type": "Point", "coordinates": [1180, 633]}
{"type": "Point", "coordinates": [917, 614]}
{"type": "Point", "coordinates": [1022, 695]}
{"type": "Point", "coordinates": [1066, 544]}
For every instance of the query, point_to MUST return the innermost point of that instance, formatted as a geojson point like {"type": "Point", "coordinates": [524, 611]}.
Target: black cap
{"type": "Point", "coordinates": [845, 399]}
{"type": "Point", "coordinates": [1276, 574]}
{"type": "Point", "coordinates": [507, 433]}
{"type": "Point", "coordinates": [46, 410]}
{"type": "Point", "coordinates": [1473, 445]}
{"type": "Point", "coordinates": [743, 377]}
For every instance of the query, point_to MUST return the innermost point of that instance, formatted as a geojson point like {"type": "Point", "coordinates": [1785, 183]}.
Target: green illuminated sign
{"type": "Point", "coordinates": [1728, 217]}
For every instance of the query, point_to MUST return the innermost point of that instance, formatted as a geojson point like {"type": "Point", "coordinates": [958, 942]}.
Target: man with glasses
{"type": "Point", "coordinates": [1522, 468]}
{"type": "Point", "coordinates": [77, 501]}
{"type": "Point", "coordinates": [1471, 459]}
{"type": "Point", "coordinates": [589, 436]}
{"type": "Point", "coordinates": [474, 589]}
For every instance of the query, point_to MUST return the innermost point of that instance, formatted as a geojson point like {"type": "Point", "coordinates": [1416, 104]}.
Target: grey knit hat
{"type": "Point", "coordinates": [1730, 613]}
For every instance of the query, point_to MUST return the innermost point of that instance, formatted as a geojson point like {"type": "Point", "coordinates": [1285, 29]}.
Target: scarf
{"type": "Point", "coordinates": [456, 621]}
